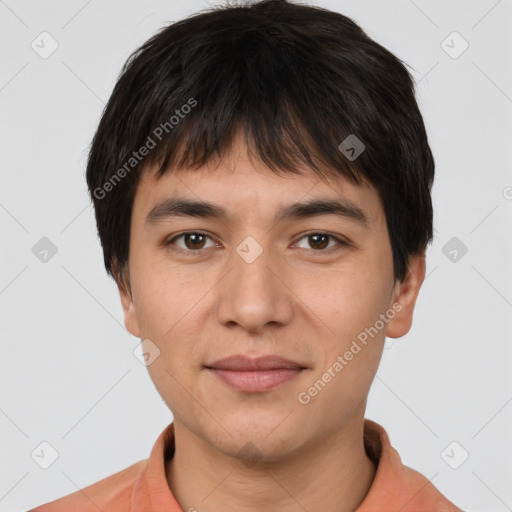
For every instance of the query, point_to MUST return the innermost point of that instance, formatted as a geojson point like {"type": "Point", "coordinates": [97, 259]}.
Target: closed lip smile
{"type": "Point", "coordinates": [239, 362]}
{"type": "Point", "coordinates": [255, 374]}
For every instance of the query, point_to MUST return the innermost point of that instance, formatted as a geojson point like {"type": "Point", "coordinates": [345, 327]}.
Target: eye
{"type": "Point", "coordinates": [320, 241]}
{"type": "Point", "coordinates": [193, 241]}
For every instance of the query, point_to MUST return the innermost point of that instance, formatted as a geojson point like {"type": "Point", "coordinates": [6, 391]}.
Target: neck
{"type": "Point", "coordinates": [332, 475]}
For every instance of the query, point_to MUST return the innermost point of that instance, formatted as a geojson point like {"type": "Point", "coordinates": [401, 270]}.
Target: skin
{"type": "Point", "coordinates": [294, 301]}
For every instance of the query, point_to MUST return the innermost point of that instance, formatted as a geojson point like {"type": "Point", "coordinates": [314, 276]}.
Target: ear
{"type": "Point", "coordinates": [405, 293]}
{"type": "Point", "coordinates": [122, 279]}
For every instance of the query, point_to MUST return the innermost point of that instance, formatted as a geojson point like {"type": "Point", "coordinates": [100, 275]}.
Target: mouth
{"type": "Point", "coordinates": [255, 381]}
{"type": "Point", "coordinates": [255, 375]}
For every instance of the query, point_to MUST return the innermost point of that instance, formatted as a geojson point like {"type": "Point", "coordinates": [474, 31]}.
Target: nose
{"type": "Point", "coordinates": [254, 294]}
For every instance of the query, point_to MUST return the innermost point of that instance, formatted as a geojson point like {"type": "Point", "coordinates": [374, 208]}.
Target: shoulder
{"type": "Point", "coordinates": [424, 495]}
{"type": "Point", "coordinates": [397, 486]}
{"type": "Point", "coordinates": [111, 494]}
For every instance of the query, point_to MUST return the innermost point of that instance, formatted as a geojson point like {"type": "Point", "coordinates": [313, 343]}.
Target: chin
{"type": "Point", "coordinates": [258, 436]}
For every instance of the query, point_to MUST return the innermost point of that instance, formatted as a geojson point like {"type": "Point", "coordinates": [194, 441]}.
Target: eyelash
{"type": "Point", "coordinates": [341, 243]}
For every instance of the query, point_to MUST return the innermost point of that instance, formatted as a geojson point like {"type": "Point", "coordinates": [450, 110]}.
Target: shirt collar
{"type": "Point", "coordinates": [394, 483]}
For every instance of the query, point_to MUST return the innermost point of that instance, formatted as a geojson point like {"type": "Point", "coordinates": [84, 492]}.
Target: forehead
{"type": "Point", "coordinates": [245, 188]}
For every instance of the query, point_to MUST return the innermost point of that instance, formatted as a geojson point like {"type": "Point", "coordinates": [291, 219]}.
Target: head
{"type": "Point", "coordinates": [252, 109]}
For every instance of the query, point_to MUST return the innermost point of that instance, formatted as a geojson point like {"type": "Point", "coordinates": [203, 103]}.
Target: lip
{"type": "Point", "coordinates": [256, 381]}
{"type": "Point", "coordinates": [240, 362]}
{"type": "Point", "coordinates": [255, 375]}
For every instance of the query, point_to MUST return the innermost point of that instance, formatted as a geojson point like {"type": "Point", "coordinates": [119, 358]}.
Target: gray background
{"type": "Point", "coordinates": [68, 373]}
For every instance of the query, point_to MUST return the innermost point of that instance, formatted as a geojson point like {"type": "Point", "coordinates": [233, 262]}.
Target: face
{"type": "Point", "coordinates": [313, 288]}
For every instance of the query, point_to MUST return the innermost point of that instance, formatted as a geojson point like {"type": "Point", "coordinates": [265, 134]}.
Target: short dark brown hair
{"type": "Point", "coordinates": [297, 80]}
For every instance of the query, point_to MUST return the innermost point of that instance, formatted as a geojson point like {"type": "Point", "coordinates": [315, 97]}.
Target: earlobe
{"type": "Point", "coordinates": [405, 294]}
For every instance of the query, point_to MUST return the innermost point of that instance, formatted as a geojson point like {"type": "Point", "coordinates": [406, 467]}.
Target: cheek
{"type": "Point", "coordinates": [173, 311]}
{"type": "Point", "coordinates": [351, 346]}
{"type": "Point", "coordinates": [162, 297]}
{"type": "Point", "coordinates": [348, 302]}
{"type": "Point", "coordinates": [168, 316]}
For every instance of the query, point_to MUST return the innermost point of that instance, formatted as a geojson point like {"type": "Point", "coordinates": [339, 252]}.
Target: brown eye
{"type": "Point", "coordinates": [192, 241]}
{"type": "Point", "coordinates": [320, 241]}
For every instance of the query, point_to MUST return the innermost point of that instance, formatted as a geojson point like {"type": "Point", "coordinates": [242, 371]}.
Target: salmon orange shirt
{"type": "Point", "coordinates": [143, 486]}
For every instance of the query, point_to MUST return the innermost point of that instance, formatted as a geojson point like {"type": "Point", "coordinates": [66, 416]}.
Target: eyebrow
{"type": "Point", "coordinates": [182, 207]}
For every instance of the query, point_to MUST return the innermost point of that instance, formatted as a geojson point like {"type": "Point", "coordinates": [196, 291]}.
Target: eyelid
{"type": "Point", "coordinates": [341, 241]}
{"type": "Point", "coordinates": [171, 240]}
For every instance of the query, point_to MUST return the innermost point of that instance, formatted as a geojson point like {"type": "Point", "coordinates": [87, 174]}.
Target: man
{"type": "Point", "coordinates": [261, 179]}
